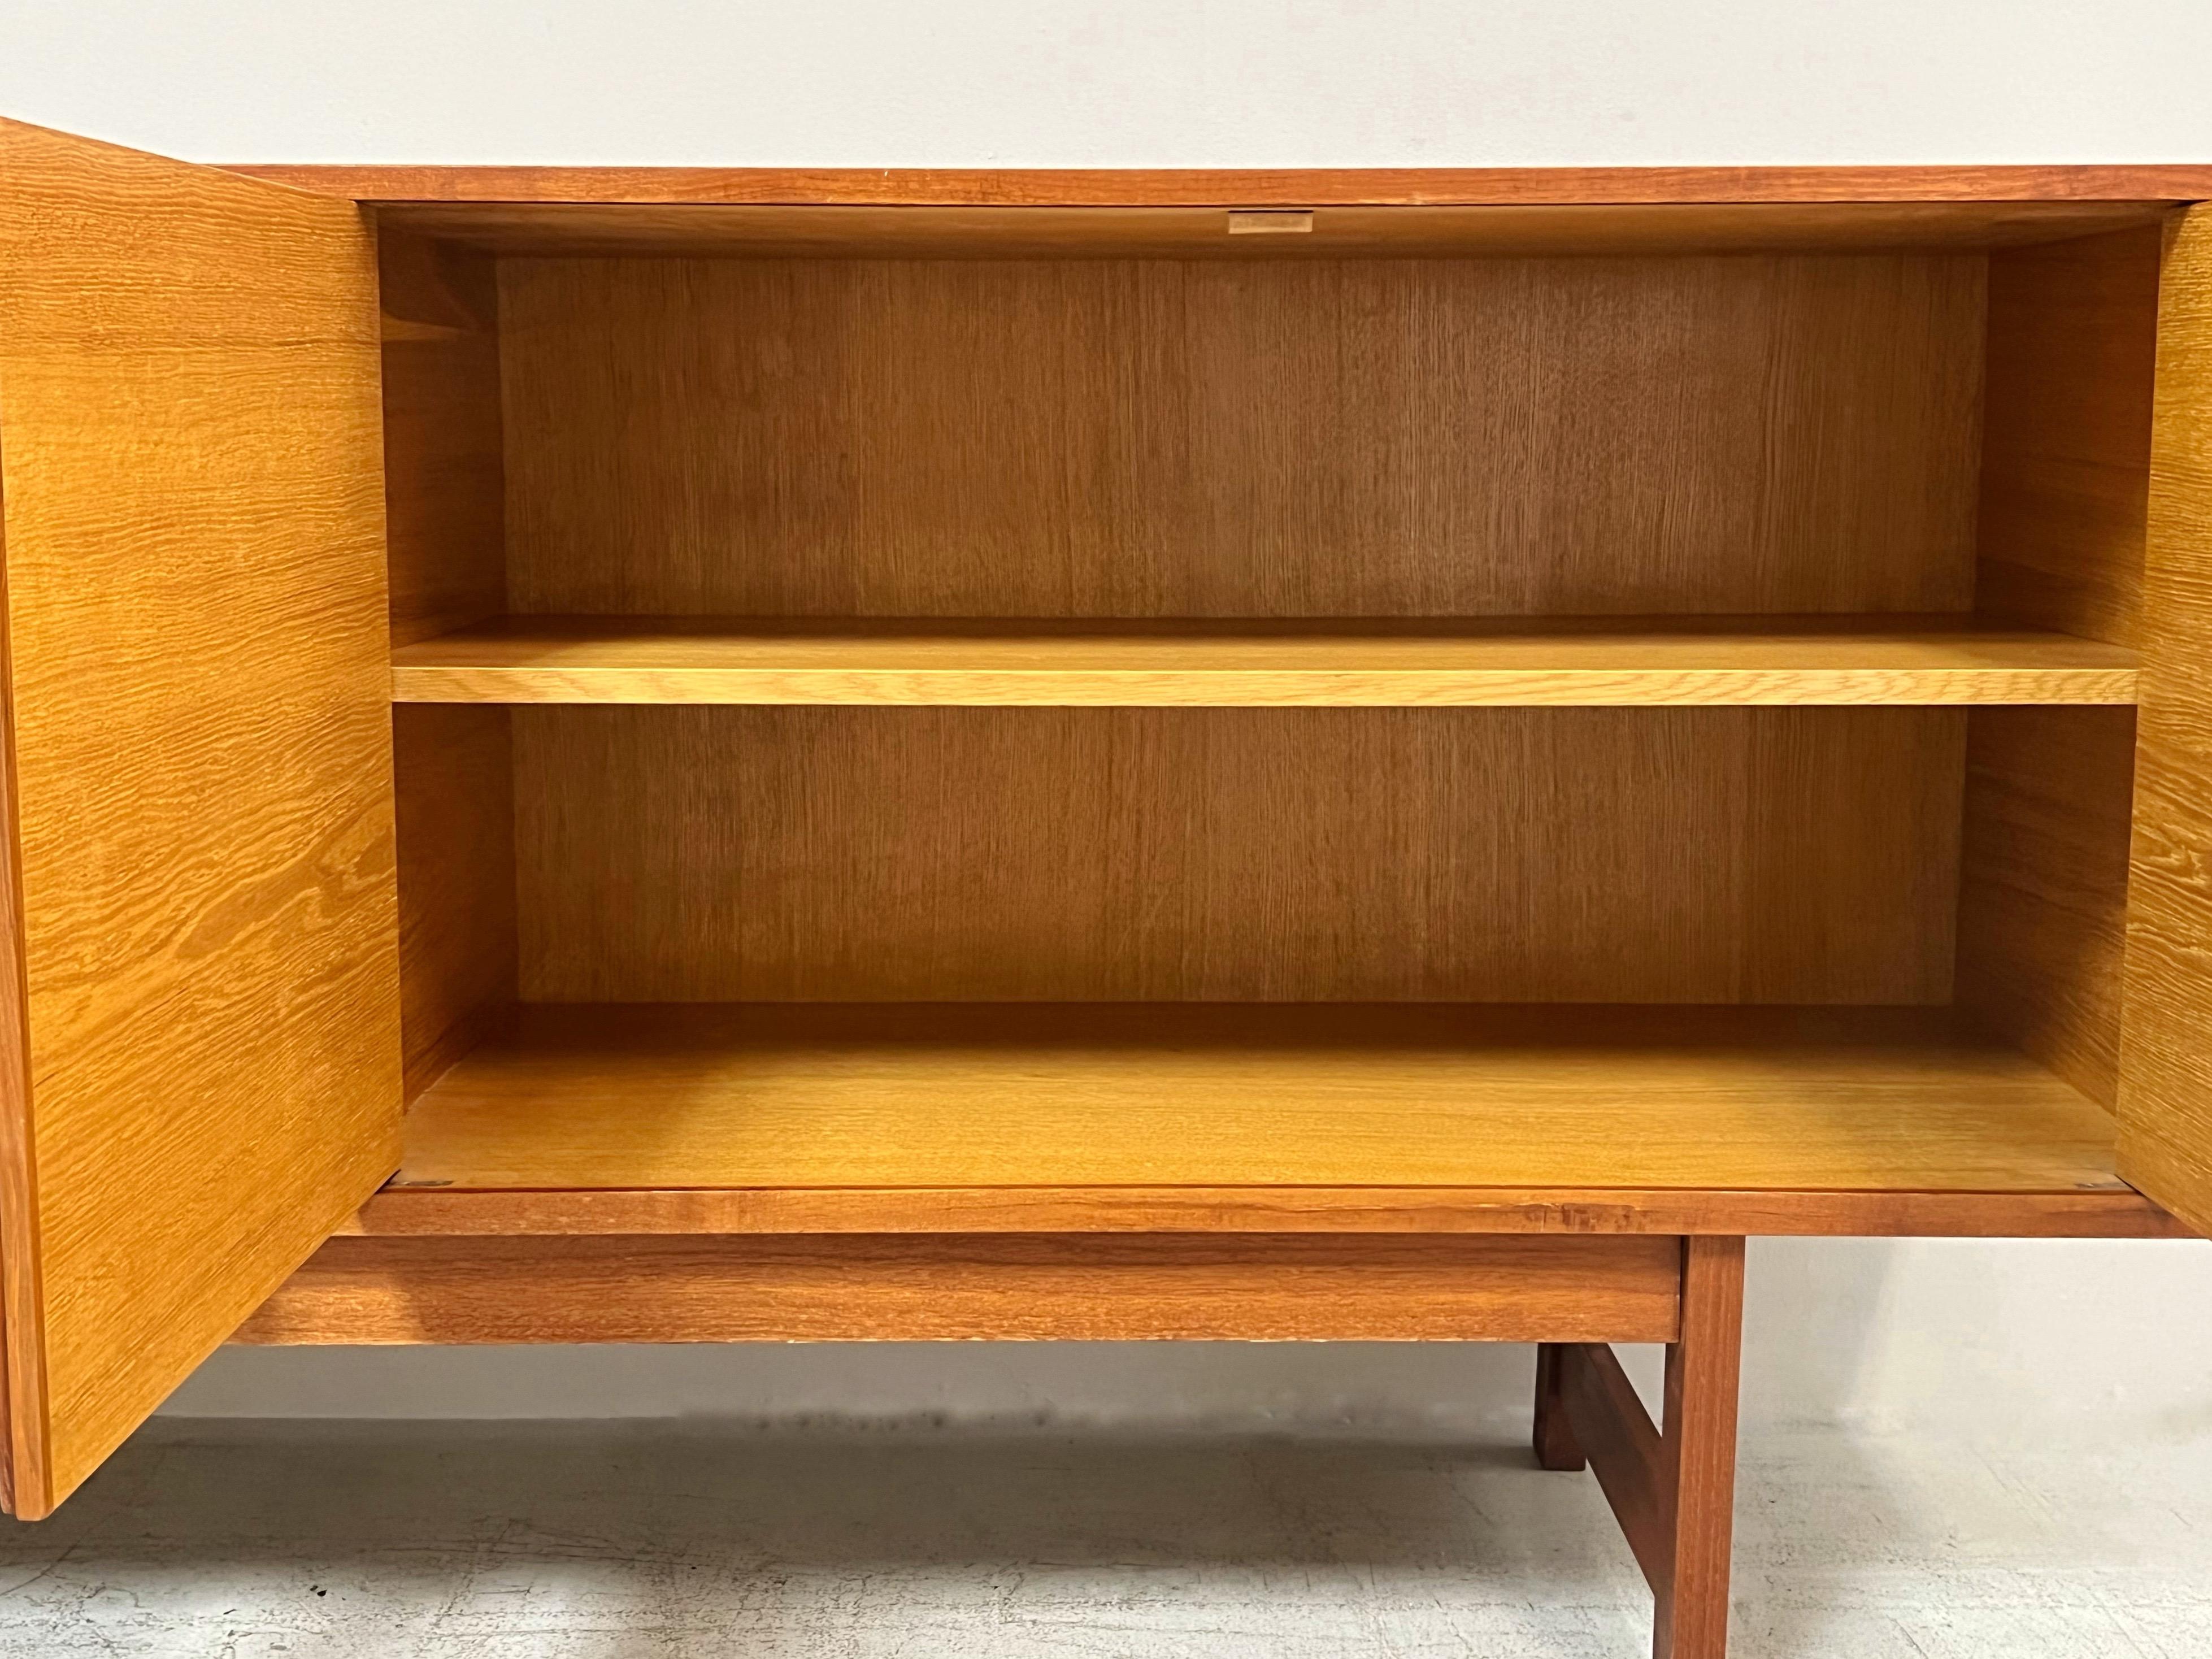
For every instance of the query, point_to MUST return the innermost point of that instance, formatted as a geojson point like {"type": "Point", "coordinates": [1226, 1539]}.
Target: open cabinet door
{"type": "Point", "coordinates": [199, 1031]}
{"type": "Point", "coordinates": [2166, 1042]}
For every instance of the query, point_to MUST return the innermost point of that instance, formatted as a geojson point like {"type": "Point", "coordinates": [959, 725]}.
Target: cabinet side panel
{"type": "Point", "coordinates": [2073, 337]}
{"type": "Point", "coordinates": [2165, 1107]}
{"type": "Point", "coordinates": [445, 501]}
{"type": "Point", "coordinates": [444, 484]}
{"type": "Point", "coordinates": [1347, 438]}
{"type": "Point", "coordinates": [190, 429]}
{"type": "Point", "coordinates": [2043, 885]}
{"type": "Point", "coordinates": [454, 768]}
{"type": "Point", "coordinates": [823, 854]}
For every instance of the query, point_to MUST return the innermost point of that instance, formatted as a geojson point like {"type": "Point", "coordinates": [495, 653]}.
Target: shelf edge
{"type": "Point", "coordinates": [1289, 687]}
{"type": "Point", "coordinates": [2112, 1212]}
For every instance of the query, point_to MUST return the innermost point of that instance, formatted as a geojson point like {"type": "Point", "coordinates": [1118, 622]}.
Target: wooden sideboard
{"type": "Point", "coordinates": [664, 755]}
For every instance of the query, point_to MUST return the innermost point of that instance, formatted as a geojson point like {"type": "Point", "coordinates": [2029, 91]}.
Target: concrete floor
{"type": "Point", "coordinates": [620, 1542]}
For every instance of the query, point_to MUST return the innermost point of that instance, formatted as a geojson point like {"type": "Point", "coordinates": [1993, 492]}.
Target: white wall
{"type": "Point", "coordinates": [2100, 1339]}
{"type": "Point", "coordinates": [1137, 83]}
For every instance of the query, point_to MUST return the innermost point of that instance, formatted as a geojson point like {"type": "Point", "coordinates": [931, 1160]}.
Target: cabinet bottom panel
{"type": "Point", "coordinates": [922, 1097]}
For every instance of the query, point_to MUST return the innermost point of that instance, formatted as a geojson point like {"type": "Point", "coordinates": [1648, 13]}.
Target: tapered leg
{"type": "Point", "coordinates": [1556, 1445]}
{"type": "Point", "coordinates": [1697, 1454]}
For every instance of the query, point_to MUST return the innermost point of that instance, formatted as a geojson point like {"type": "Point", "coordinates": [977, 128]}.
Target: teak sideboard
{"type": "Point", "coordinates": [655, 754]}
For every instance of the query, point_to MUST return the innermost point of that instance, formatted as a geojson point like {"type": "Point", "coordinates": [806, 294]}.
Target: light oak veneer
{"type": "Point", "coordinates": [957, 1096]}
{"type": "Point", "coordinates": [200, 992]}
{"type": "Point", "coordinates": [1569, 662]}
{"type": "Point", "coordinates": [2165, 1103]}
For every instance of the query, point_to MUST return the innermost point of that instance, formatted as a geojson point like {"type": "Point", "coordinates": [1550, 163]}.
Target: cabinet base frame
{"type": "Point", "coordinates": [1672, 1486]}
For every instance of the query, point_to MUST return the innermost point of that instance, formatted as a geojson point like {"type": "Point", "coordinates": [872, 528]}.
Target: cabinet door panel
{"type": "Point", "coordinates": [2166, 1040]}
{"type": "Point", "coordinates": [199, 1043]}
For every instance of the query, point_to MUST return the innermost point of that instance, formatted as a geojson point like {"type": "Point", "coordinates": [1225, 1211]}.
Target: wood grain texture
{"type": "Point", "coordinates": [2100, 1207]}
{"type": "Point", "coordinates": [949, 1097]}
{"type": "Point", "coordinates": [22, 1344]}
{"type": "Point", "coordinates": [2164, 1109]}
{"type": "Point", "coordinates": [189, 427]}
{"type": "Point", "coordinates": [1347, 438]}
{"type": "Point", "coordinates": [569, 229]}
{"type": "Point", "coordinates": [2065, 481]}
{"type": "Point", "coordinates": [2049, 793]}
{"type": "Point", "coordinates": [1572, 661]}
{"type": "Point", "coordinates": [454, 768]}
{"type": "Point", "coordinates": [445, 502]}
{"type": "Point", "coordinates": [1034, 855]}
{"type": "Point", "coordinates": [1609, 1423]}
{"type": "Point", "coordinates": [2043, 885]}
{"type": "Point", "coordinates": [2073, 338]}
{"type": "Point", "coordinates": [1245, 186]}
{"type": "Point", "coordinates": [444, 487]}
{"type": "Point", "coordinates": [963, 1289]}
{"type": "Point", "coordinates": [1697, 1454]}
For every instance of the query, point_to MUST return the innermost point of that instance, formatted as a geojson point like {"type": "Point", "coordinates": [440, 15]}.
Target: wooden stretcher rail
{"type": "Point", "coordinates": [967, 1287]}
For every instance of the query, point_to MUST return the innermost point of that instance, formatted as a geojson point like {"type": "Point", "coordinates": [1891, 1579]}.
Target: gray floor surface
{"type": "Point", "coordinates": [620, 1541]}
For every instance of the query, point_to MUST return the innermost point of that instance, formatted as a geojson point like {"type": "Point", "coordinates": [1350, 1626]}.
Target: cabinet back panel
{"type": "Point", "coordinates": [1133, 438]}
{"type": "Point", "coordinates": [1623, 855]}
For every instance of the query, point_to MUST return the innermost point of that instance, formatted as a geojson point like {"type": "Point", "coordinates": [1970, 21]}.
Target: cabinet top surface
{"type": "Point", "coordinates": [1246, 187]}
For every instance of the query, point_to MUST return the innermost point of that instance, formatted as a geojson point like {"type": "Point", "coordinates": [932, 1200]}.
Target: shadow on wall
{"type": "Point", "coordinates": [1982, 1335]}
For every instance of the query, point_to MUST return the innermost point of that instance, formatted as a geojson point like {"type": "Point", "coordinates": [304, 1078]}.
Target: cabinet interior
{"type": "Point", "coordinates": [1527, 698]}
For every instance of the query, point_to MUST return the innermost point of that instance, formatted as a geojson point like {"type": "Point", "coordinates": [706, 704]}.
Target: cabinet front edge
{"type": "Point", "coordinates": [2115, 1212]}
{"type": "Point", "coordinates": [1241, 187]}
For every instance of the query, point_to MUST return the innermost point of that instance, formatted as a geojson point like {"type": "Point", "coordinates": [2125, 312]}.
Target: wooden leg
{"type": "Point", "coordinates": [1698, 1452]}
{"type": "Point", "coordinates": [1672, 1488]}
{"type": "Point", "coordinates": [1556, 1445]}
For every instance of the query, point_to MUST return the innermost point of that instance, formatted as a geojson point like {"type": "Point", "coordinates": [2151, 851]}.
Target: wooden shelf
{"type": "Point", "coordinates": [1505, 663]}
{"type": "Point", "coordinates": [1064, 1097]}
